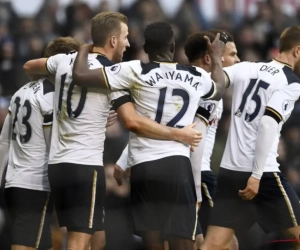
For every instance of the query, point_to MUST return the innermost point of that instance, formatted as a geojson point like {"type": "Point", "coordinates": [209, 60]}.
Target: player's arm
{"type": "Point", "coordinates": [151, 129]}
{"type": "Point", "coordinates": [267, 131]}
{"type": "Point", "coordinates": [47, 129]}
{"type": "Point", "coordinates": [148, 128]}
{"type": "Point", "coordinates": [5, 139]}
{"type": "Point", "coordinates": [46, 99]}
{"type": "Point", "coordinates": [122, 162]}
{"type": "Point", "coordinates": [121, 167]}
{"type": "Point", "coordinates": [116, 77]}
{"type": "Point", "coordinates": [43, 66]}
{"type": "Point", "coordinates": [85, 77]}
{"type": "Point", "coordinates": [278, 109]}
{"type": "Point", "coordinates": [34, 69]}
{"type": "Point", "coordinates": [216, 50]}
{"type": "Point", "coordinates": [196, 156]}
{"type": "Point", "coordinates": [236, 72]}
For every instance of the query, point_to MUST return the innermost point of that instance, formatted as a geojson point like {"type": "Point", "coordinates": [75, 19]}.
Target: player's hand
{"type": "Point", "coordinates": [251, 190]}
{"type": "Point", "coordinates": [119, 173]}
{"type": "Point", "coordinates": [190, 136]}
{"type": "Point", "coordinates": [112, 118]}
{"type": "Point", "coordinates": [217, 47]}
{"type": "Point", "coordinates": [87, 47]}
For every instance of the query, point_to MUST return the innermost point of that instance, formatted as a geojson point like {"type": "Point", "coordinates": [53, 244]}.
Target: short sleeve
{"type": "Point", "coordinates": [118, 98]}
{"type": "Point", "coordinates": [205, 109]}
{"type": "Point", "coordinates": [119, 76]}
{"type": "Point", "coordinates": [233, 71]}
{"type": "Point", "coordinates": [46, 101]}
{"type": "Point", "coordinates": [209, 86]}
{"type": "Point", "coordinates": [282, 101]}
{"type": "Point", "coordinates": [53, 62]}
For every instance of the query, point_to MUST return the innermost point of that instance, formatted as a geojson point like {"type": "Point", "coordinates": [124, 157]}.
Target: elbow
{"type": "Point", "coordinates": [268, 124]}
{"type": "Point", "coordinates": [219, 95]}
{"type": "Point", "coordinates": [132, 125]}
{"type": "Point", "coordinates": [77, 78]}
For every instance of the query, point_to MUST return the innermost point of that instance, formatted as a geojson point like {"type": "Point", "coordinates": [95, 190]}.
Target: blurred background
{"type": "Point", "coordinates": [26, 26]}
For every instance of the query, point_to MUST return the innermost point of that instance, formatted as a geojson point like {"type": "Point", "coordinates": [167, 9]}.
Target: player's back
{"type": "Point", "coordinates": [167, 93]}
{"type": "Point", "coordinates": [80, 114]}
{"type": "Point", "coordinates": [31, 108]}
{"type": "Point", "coordinates": [256, 86]}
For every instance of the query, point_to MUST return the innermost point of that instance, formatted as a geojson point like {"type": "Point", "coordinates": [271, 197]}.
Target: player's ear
{"type": "Point", "coordinates": [207, 59]}
{"type": "Point", "coordinates": [297, 52]}
{"type": "Point", "coordinates": [113, 41]}
{"type": "Point", "coordinates": [145, 48]}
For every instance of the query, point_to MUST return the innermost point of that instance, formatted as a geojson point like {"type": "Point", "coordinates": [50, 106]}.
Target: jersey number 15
{"type": "Point", "coordinates": [255, 97]}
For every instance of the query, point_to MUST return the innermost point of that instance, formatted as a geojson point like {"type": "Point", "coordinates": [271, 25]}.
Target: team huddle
{"type": "Point", "coordinates": [52, 141]}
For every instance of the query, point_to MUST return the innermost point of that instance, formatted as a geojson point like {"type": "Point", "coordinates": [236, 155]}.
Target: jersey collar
{"type": "Point", "coordinates": [98, 54]}
{"type": "Point", "coordinates": [286, 64]}
{"type": "Point", "coordinates": [164, 62]}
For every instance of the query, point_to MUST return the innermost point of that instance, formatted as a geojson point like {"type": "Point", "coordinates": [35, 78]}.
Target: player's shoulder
{"type": "Point", "coordinates": [58, 59]}
{"type": "Point", "coordinates": [97, 59]}
{"type": "Point", "coordinates": [282, 71]}
{"type": "Point", "coordinates": [47, 86]}
{"type": "Point", "coordinates": [41, 88]}
{"type": "Point", "coordinates": [291, 77]}
{"type": "Point", "coordinates": [134, 65]}
{"type": "Point", "coordinates": [194, 70]}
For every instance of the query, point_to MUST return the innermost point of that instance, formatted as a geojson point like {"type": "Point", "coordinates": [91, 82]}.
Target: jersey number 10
{"type": "Point", "coordinates": [255, 97]}
{"type": "Point", "coordinates": [71, 113]}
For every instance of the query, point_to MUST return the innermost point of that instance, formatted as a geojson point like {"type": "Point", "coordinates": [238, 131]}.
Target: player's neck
{"type": "Point", "coordinates": [160, 58]}
{"type": "Point", "coordinates": [285, 59]}
{"type": "Point", "coordinates": [103, 52]}
{"type": "Point", "coordinates": [200, 64]}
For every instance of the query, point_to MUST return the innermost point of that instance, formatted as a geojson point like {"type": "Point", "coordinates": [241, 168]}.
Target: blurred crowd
{"type": "Point", "coordinates": [27, 26]}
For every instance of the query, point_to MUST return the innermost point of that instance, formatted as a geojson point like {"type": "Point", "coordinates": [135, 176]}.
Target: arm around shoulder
{"type": "Point", "coordinates": [85, 77]}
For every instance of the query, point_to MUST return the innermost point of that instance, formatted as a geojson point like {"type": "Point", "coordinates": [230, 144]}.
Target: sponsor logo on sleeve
{"type": "Point", "coordinates": [210, 107]}
{"type": "Point", "coordinates": [286, 107]}
{"type": "Point", "coordinates": [115, 69]}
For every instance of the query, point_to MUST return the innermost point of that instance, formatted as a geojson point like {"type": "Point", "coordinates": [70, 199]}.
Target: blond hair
{"type": "Point", "coordinates": [104, 25]}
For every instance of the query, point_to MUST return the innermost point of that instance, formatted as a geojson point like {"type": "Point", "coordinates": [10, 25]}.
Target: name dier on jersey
{"type": "Point", "coordinates": [270, 69]}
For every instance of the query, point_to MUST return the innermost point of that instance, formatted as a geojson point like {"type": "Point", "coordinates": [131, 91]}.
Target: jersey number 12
{"type": "Point", "coordinates": [161, 102]}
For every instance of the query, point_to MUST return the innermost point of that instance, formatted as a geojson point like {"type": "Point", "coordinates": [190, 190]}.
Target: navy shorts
{"type": "Point", "coordinates": [208, 191]}
{"type": "Point", "coordinates": [163, 197]}
{"type": "Point", "coordinates": [79, 196]}
{"type": "Point", "coordinates": [276, 206]}
{"type": "Point", "coordinates": [30, 216]}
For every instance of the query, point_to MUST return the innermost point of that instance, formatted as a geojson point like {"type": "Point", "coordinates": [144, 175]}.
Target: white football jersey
{"type": "Point", "coordinates": [214, 111]}
{"type": "Point", "coordinates": [167, 93]}
{"type": "Point", "coordinates": [31, 108]}
{"type": "Point", "coordinates": [270, 87]}
{"type": "Point", "coordinates": [80, 114]}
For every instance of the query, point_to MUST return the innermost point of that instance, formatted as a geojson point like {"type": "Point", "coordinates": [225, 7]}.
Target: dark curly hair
{"type": "Point", "coordinates": [195, 45]}
{"type": "Point", "coordinates": [158, 36]}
